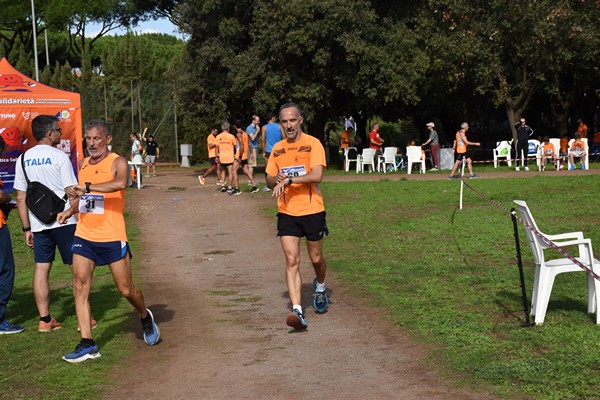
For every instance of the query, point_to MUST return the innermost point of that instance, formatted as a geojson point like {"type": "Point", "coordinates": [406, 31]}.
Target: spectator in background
{"type": "Point", "coordinates": [460, 147]}
{"type": "Point", "coordinates": [564, 149]}
{"type": "Point", "coordinates": [7, 261]}
{"type": "Point", "coordinates": [152, 153]}
{"type": "Point", "coordinates": [227, 156]}
{"type": "Point", "coordinates": [253, 130]}
{"type": "Point", "coordinates": [548, 152]}
{"type": "Point", "coordinates": [524, 132]}
{"type": "Point", "coordinates": [375, 140]}
{"type": "Point", "coordinates": [577, 151]}
{"type": "Point", "coordinates": [242, 154]}
{"type": "Point", "coordinates": [271, 133]}
{"type": "Point", "coordinates": [434, 144]}
{"type": "Point", "coordinates": [345, 138]}
{"type": "Point", "coordinates": [56, 174]}
{"type": "Point", "coordinates": [582, 129]}
{"type": "Point", "coordinates": [211, 145]}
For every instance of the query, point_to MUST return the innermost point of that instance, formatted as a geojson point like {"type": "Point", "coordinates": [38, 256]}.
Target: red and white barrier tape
{"type": "Point", "coordinates": [537, 233]}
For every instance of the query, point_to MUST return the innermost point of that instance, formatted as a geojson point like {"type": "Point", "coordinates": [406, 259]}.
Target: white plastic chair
{"type": "Point", "coordinates": [368, 159]}
{"type": "Point", "coordinates": [556, 161]}
{"type": "Point", "coordinates": [414, 155]}
{"type": "Point", "coordinates": [502, 150]}
{"type": "Point", "coordinates": [533, 149]}
{"type": "Point", "coordinates": [388, 158]}
{"type": "Point", "coordinates": [350, 156]}
{"type": "Point", "coordinates": [585, 159]}
{"type": "Point", "coordinates": [547, 269]}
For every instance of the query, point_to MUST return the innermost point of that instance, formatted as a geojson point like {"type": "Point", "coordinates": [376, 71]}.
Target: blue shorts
{"type": "Point", "coordinates": [103, 253]}
{"type": "Point", "coordinates": [312, 226]}
{"type": "Point", "coordinates": [45, 243]}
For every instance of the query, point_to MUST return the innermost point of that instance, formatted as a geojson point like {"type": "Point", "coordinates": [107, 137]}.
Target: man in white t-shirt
{"type": "Point", "coordinates": [46, 164]}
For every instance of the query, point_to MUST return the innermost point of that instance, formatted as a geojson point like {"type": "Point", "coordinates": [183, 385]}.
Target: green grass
{"type": "Point", "coordinates": [449, 277]}
{"type": "Point", "coordinates": [32, 362]}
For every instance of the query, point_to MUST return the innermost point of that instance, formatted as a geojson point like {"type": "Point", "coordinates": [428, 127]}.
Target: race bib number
{"type": "Point", "coordinates": [91, 204]}
{"type": "Point", "coordinates": [299, 170]}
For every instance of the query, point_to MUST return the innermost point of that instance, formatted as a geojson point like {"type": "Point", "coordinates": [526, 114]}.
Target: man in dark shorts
{"type": "Point", "coordinates": [211, 145]}
{"type": "Point", "coordinates": [294, 171]}
{"type": "Point", "coordinates": [101, 237]}
{"type": "Point", "coordinates": [461, 151]}
{"type": "Point", "coordinates": [57, 174]}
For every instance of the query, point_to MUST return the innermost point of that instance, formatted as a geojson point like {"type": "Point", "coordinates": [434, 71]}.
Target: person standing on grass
{"type": "Point", "coordinates": [7, 262]}
{"type": "Point", "coordinates": [524, 132]}
{"type": "Point", "coordinates": [294, 172]}
{"type": "Point", "coordinates": [226, 155]}
{"type": "Point", "coordinates": [434, 144]}
{"type": "Point", "coordinates": [253, 130]}
{"type": "Point", "coordinates": [101, 237]}
{"type": "Point", "coordinates": [460, 149]}
{"type": "Point", "coordinates": [152, 153]}
{"type": "Point", "coordinates": [375, 140]}
{"type": "Point", "coordinates": [211, 145]}
{"type": "Point", "coordinates": [56, 173]}
{"type": "Point", "coordinates": [271, 133]}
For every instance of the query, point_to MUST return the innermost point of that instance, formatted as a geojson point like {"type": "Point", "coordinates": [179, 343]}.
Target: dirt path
{"type": "Point", "coordinates": [213, 273]}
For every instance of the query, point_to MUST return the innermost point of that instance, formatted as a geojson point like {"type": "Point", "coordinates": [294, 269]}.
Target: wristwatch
{"type": "Point", "coordinates": [87, 187]}
{"type": "Point", "coordinates": [290, 180]}
{"type": "Point", "coordinates": [26, 228]}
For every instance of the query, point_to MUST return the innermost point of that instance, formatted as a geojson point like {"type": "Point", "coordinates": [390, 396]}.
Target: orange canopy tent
{"type": "Point", "coordinates": [21, 100]}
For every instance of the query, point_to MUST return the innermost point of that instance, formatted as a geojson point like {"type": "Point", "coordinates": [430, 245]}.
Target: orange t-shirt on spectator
{"type": "Point", "coordinates": [211, 139]}
{"type": "Point", "coordinates": [298, 159]}
{"type": "Point", "coordinates": [226, 143]}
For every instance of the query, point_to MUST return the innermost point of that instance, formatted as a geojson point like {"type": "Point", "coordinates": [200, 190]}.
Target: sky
{"type": "Point", "coordinates": [162, 25]}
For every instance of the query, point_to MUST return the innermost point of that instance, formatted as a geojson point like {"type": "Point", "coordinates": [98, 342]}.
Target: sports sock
{"type": "Point", "coordinates": [321, 287]}
{"type": "Point", "coordinates": [88, 342]}
{"type": "Point", "coordinates": [297, 307]}
{"type": "Point", "coordinates": [46, 319]}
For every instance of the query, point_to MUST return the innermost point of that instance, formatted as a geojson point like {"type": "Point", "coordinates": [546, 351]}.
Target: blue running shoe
{"type": "Point", "coordinates": [6, 328]}
{"type": "Point", "coordinates": [151, 331]}
{"type": "Point", "coordinates": [320, 302]}
{"type": "Point", "coordinates": [82, 352]}
{"type": "Point", "coordinates": [297, 321]}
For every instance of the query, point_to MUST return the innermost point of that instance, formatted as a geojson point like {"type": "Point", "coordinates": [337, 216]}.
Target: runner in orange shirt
{"type": "Point", "coordinates": [100, 237]}
{"type": "Point", "coordinates": [211, 145]}
{"type": "Point", "coordinates": [294, 172]}
{"type": "Point", "coordinates": [226, 155]}
{"type": "Point", "coordinates": [243, 150]}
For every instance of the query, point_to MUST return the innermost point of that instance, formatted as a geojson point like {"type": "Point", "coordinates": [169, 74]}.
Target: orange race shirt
{"type": "Point", "coordinates": [564, 144]}
{"type": "Point", "coordinates": [101, 214]}
{"type": "Point", "coordinates": [577, 145]}
{"type": "Point", "coordinates": [243, 151]}
{"type": "Point", "coordinates": [211, 139]}
{"type": "Point", "coordinates": [298, 159]}
{"type": "Point", "coordinates": [548, 149]}
{"type": "Point", "coordinates": [226, 143]}
{"type": "Point", "coordinates": [344, 140]}
{"type": "Point", "coordinates": [461, 147]}
{"type": "Point", "coordinates": [582, 130]}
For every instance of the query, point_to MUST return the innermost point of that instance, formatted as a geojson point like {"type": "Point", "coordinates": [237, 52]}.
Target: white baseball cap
{"type": "Point", "coordinates": [430, 124]}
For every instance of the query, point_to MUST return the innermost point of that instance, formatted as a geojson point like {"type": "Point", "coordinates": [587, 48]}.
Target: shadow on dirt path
{"type": "Point", "coordinates": [213, 274]}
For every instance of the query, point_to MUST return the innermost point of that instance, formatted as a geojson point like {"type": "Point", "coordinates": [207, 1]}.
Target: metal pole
{"type": "Point", "coordinates": [35, 51]}
{"type": "Point", "coordinates": [176, 143]}
{"type": "Point", "coordinates": [140, 105]}
{"type": "Point", "coordinates": [526, 310]}
{"type": "Point", "coordinates": [131, 96]}
{"type": "Point", "coordinates": [47, 52]}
